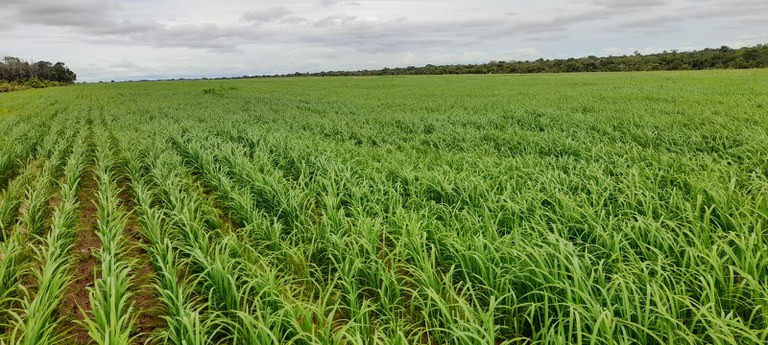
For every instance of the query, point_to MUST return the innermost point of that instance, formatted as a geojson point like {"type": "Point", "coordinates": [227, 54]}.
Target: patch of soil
{"type": "Point", "coordinates": [147, 302]}
{"type": "Point", "coordinates": [23, 211]}
{"type": "Point", "coordinates": [55, 200]}
{"type": "Point", "coordinates": [226, 223]}
{"type": "Point", "coordinates": [125, 198]}
{"type": "Point", "coordinates": [85, 249]}
{"type": "Point", "coordinates": [6, 180]}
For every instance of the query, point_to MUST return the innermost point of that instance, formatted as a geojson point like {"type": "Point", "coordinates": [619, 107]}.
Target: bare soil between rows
{"type": "Point", "coordinates": [76, 300]}
{"type": "Point", "coordinates": [146, 299]}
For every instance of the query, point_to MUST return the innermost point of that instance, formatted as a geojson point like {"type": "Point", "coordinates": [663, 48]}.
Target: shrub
{"type": "Point", "coordinates": [35, 83]}
{"type": "Point", "coordinates": [8, 87]}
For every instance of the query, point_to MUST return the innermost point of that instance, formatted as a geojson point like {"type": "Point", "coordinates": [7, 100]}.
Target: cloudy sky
{"type": "Point", "coordinates": [136, 39]}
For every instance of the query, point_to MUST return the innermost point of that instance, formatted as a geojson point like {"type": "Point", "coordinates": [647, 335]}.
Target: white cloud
{"type": "Point", "coordinates": [119, 39]}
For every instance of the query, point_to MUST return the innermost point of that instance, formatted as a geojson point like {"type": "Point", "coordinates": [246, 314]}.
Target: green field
{"type": "Point", "coordinates": [623, 208]}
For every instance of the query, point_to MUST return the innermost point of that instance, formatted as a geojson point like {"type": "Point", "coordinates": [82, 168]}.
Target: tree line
{"type": "Point", "coordinates": [710, 58]}
{"type": "Point", "coordinates": [16, 74]}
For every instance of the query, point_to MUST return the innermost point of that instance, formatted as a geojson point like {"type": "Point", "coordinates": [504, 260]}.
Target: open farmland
{"type": "Point", "coordinates": [627, 208]}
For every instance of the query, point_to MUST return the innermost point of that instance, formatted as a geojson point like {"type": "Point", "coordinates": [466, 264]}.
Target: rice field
{"type": "Point", "coordinates": [624, 208]}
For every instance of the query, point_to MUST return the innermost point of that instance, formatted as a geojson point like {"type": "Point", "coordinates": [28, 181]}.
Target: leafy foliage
{"type": "Point", "coordinates": [710, 58]}
{"type": "Point", "coordinates": [16, 74]}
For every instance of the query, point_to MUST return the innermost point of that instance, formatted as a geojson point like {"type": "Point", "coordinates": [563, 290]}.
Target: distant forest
{"type": "Point", "coordinates": [16, 74]}
{"type": "Point", "coordinates": [710, 58]}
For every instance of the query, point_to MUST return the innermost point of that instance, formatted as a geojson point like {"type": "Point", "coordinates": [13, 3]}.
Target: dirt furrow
{"type": "Point", "coordinates": [85, 249]}
{"type": "Point", "coordinates": [147, 302]}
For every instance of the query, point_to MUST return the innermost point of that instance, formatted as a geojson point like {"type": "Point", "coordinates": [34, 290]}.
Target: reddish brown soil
{"type": "Point", "coordinates": [86, 246]}
{"type": "Point", "coordinates": [145, 296]}
{"type": "Point", "coordinates": [23, 210]}
{"type": "Point", "coordinates": [147, 303]}
{"type": "Point", "coordinates": [55, 200]}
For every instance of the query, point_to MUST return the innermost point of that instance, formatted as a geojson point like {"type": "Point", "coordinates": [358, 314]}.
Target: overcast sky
{"type": "Point", "coordinates": [136, 39]}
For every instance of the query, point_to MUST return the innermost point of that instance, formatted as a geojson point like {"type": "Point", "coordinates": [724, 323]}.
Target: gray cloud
{"type": "Point", "coordinates": [94, 18]}
{"type": "Point", "coordinates": [736, 8]}
{"type": "Point", "coordinates": [293, 20]}
{"type": "Point", "coordinates": [545, 37]}
{"type": "Point", "coordinates": [123, 65]}
{"type": "Point", "coordinates": [332, 3]}
{"type": "Point", "coordinates": [329, 2]}
{"type": "Point", "coordinates": [336, 20]}
{"type": "Point", "coordinates": [553, 24]}
{"type": "Point", "coordinates": [630, 4]}
{"type": "Point", "coordinates": [125, 27]}
{"type": "Point", "coordinates": [209, 36]}
{"type": "Point", "coordinates": [76, 13]}
{"type": "Point", "coordinates": [5, 24]}
{"type": "Point", "coordinates": [397, 35]}
{"type": "Point", "coordinates": [266, 15]}
{"type": "Point", "coordinates": [748, 12]}
{"type": "Point", "coordinates": [656, 24]}
{"type": "Point", "coordinates": [204, 36]}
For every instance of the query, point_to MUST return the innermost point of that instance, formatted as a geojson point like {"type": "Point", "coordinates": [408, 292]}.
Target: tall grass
{"type": "Point", "coordinates": [37, 322]}
{"type": "Point", "coordinates": [185, 322]}
{"type": "Point", "coordinates": [568, 209]}
{"type": "Point", "coordinates": [112, 317]}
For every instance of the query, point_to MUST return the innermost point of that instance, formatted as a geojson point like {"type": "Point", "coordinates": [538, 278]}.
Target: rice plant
{"type": "Point", "coordinates": [37, 322]}
{"type": "Point", "coordinates": [547, 209]}
{"type": "Point", "coordinates": [112, 317]}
